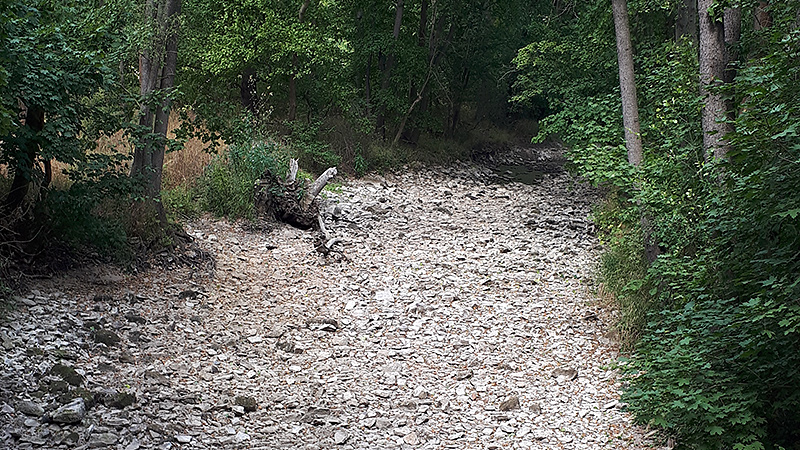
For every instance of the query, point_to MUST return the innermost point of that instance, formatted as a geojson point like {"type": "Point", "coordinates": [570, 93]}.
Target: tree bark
{"type": "Point", "coordinates": [762, 18]}
{"type": "Point", "coordinates": [712, 74]}
{"type": "Point", "coordinates": [733, 33]}
{"type": "Point", "coordinates": [368, 86]}
{"type": "Point", "coordinates": [292, 113]}
{"type": "Point", "coordinates": [148, 77]}
{"type": "Point", "coordinates": [435, 56]}
{"type": "Point", "coordinates": [157, 73]}
{"type": "Point", "coordinates": [23, 164]}
{"type": "Point", "coordinates": [686, 21]}
{"type": "Point", "coordinates": [387, 65]}
{"type": "Point", "coordinates": [630, 111]}
{"type": "Point", "coordinates": [627, 83]}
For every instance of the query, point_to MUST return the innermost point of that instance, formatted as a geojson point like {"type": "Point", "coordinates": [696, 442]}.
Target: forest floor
{"type": "Point", "coordinates": [457, 313]}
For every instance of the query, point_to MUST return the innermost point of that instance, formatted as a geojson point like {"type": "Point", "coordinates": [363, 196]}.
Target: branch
{"type": "Point", "coordinates": [291, 176]}
{"type": "Point", "coordinates": [317, 186]}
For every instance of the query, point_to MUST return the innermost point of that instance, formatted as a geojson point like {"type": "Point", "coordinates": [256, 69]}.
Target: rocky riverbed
{"type": "Point", "coordinates": [455, 313]}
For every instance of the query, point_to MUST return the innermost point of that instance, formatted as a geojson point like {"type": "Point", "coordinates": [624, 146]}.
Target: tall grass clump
{"type": "Point", "coordinates": [226, 186]}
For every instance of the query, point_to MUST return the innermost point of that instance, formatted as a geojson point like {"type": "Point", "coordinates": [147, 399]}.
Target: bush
{"type": "Point", "coordinates": [226, 187]}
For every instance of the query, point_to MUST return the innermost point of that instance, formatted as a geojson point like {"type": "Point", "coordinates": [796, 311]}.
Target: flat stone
{"type": "Point", "coordinates": [30, 408]}
{"type": "Point", "coordinates": [72, 412]}
{"type": "Point", "coordinates": [340, 437]}
{"type": "Point", "coordinates": [107, 337]}
{"type": "Point", "coordinates": [510, 403]}
{"type": "Point", "coordinates": [411, 439]}
{"type": "Point", "coordinates": [565, 373]}
{"type": "Point", "coordinates": [241, 437]}
{"type": "Point", "coordinates": [68, 374]}
{"type": "Point", "coordinates": [248, 403]}
{"type": "Point", "coordinates": [103, 440]}
{"type": "Point", "coordinates": [120, 400]}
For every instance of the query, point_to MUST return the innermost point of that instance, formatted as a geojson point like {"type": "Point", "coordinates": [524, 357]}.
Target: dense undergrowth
{"type": "Point", "coordinates": [712, 327]}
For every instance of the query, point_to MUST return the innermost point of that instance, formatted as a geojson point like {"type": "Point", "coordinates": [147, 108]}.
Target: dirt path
{"type": "Point", "coordinates": [456, 315]}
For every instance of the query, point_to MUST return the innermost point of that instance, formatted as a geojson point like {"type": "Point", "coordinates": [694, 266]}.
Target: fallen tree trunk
{"type": "Point", "coordinates": [291, 200]}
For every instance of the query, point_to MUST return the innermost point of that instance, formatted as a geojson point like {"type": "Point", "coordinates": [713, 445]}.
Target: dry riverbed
{"type": "Point", "coordinates": [457, 313]}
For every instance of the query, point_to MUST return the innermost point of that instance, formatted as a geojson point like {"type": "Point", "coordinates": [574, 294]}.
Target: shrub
{"type": "Point", "coordinates": [226, 187]}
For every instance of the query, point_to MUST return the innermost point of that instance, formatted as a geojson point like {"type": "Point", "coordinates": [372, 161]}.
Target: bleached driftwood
{"type": "Point", "coordinates": [290, 200]}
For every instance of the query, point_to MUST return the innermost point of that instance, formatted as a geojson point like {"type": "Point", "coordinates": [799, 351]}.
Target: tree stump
{"type": "Point", "coordinates": [291, 200]}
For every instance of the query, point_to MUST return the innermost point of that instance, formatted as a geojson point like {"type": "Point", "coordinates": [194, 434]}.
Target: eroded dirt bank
{"type": "Point", "coordinates": [456, 314]}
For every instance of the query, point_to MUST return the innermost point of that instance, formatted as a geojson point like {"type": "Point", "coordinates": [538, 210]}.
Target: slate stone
{"type": "Point", "coordinates": [510, 403]}
{"type": "Point", "coordinates": [67, 374]}
{"type": "Point", "coordinates": [70, 413]}
{"type": "Point", "coordinates": [30, 408]}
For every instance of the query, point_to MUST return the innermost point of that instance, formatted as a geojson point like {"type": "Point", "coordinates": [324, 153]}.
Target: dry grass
{"type": "Point", "coordinates": [186, 165]}
{"type": "Point", "coordinates": [181, 167]}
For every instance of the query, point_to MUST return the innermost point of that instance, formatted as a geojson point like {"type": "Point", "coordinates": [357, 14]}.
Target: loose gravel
{"type": "Point", "coordinates": [456, 313]}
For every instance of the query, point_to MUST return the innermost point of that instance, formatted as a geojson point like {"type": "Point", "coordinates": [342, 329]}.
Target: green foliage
{"type": "Point", "coordinates": [226, 187]}
{"type": "Point", "coordinates": [312, 152]}
{"type": "Point", "coordinates": [181, 202]}
{"type": "Point", "coordinates": [87, 214]}
{"type": "Point", "coordinates": [54, 61]}
{"type": "Point", "coordinates": [714, 321]}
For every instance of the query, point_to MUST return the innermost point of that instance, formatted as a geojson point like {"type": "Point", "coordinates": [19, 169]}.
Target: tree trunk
{"type": "Point", "coordinates": [247, 90]}
{"type": "Point", "coordinates": [157, 73]}
{"type": "Point", "coordinates": [762, 17]}
{"type": "Point", "coordinates": [148, 77]}
{"type": "Point", "coordinates": [387, 64]}
{"type": "Point", "coordinates": [415, 132]}
{"type": "Point", "coordinates": [423, 98]}
{"type": "Point", "coordinates": [368, 87]}
{"type": "Point", "coordinates": [23, 164]}
{"type": "Point", "coordinates": [712, 73]}
{"type": "Point", "coordinates": [686, 22]}
{"type": "Point", "coordinates": [423, 23]}
{"type": "Point", "coordinates": [733, 34]}
{"type": "Point", "coordinates": [627, 83]}
{"type": "Point", "coordinates": [292, 114]}
{"type": "Point", "coordinates": [630, 111]}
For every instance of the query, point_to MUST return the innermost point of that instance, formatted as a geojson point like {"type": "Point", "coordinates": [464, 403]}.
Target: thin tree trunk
{"type": "Point", "coordinates": [292, 114]}
{"type": "Point", "coordinates": [762, 17]}
{"type": "Point", "coordinates": [148, 78]}
{"type": "Point", "coordinates": [686, 22]}
{"type": "Point", "coordinates": [368, 87]}
{"type": "Point", "coordinates": [630, 111]}
{"type": "Point", "coordinates": [23, 165]}
{"type": "Point", "coordinates": [247, 90]}
{"type": "Point", "coordinates": [712, 74]}
{"type": "Point", "coordinates": [423, 23]}
{"type": "Point", "coordinates": [387, 66]}
{"type": "Point", "coordinates": [435, 56]}
{"type": "Point", "coordinates": [733, 34]}
{"type": "Point", "coordinates": [627, 83]}
{"type": "Point", "coordinates": [415, 132]}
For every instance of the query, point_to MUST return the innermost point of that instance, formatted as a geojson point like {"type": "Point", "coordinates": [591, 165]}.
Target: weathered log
{"type": "Point", "coordinates": [290, 201]}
